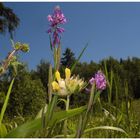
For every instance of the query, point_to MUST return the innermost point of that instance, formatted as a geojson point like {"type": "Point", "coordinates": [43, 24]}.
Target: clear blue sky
{"type": "Point", "coordinates": [111, 29]}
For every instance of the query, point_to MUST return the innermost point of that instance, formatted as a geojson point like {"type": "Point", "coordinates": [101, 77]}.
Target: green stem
{"type": "Point", "coordinates": [68, 102]}
{"type": "Point", "coordinates": [86, 116]}
{"type": "Point", "coordinates": [65, 123]}
{"type": "Point", "coordinates": [6, 101]}
{"type": "Point", "coordinates": [52, 106]}
{"type": "Point", "coordinates": [55, 59]}
{"type": "Point", "coordinates": [50, 112]}
{"type": "Point", "coordinates": [50, 79]}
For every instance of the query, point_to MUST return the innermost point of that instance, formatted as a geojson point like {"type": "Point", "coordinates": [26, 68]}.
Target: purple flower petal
{"type": "Point", "coordinates": [55, 20]}
{"type": "Point", "coordinates": [99, 80]}
{"type": "Point", "coordinates": [60, 30]}
{"type": "Point", "coordinates": [92, 80]}
{"type": "Point", "coordinates": [49, 30]}
{"type": "Point", "coordinates": [50, 18]}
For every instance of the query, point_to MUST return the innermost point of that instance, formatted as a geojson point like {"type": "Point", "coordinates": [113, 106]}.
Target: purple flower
{"type": "Point", "coordinates": [99, 80]}
{"type": "Point", "coordinates": [55, 20]}
{"type": "Point", "coordinates": [92, 80]}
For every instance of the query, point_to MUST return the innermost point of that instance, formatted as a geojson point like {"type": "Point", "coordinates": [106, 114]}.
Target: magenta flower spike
{"type": "Point", "coordinates": [56, 20]}
{"type": "Point", "coordinates": [99, 80]}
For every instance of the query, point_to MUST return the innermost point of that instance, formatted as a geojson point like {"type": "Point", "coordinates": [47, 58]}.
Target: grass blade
{"type": "Point", "coordinates": [41, 111]}
{"type": "Point", "coordinates": [106, 128]}
{"type": "Point", "coordinates": [59, 116]}
{"type": "Point", "coordinates": [85, 118]}
{"type": "Point", "coordinates": [105, 67]}
{"type": "Point", "coordinates": [96, 128]}
{"type": "Point", "coordinates": [28, 128]}
{"type": "Point", "coordinates": [74, 65]}
{"type": "Point", "coordinates": [6, 101]}
{"type": "Point", "coordinates": [3, 130]}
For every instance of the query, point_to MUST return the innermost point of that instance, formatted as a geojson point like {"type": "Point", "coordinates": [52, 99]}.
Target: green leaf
{"type": "Point", "coordinates": [26, 129]}
{"type": "Point", "coordinates": [6, 101]}
{"type": "Point", "coordinates": [12, 42]}
{"type": "Point", "coordinates": [96, 128]}
{"type": "Point", "coordinates": [74, 65]}
{"type": "Point", "coordinates": [25, 48]}
{"type": "Point", "coordinates": [32, 126]}
{"type": "Point", "coordinates": [2, 97]}
{"type": "Point", "coordinates": [106, 72]}
{"type": "Point", "coordinates": [59, 116]}
{"type": "Point", "coordinates": [92, 95]}
{"type": "Point", "coordinates": [51, 108]}
{"type": "Point", "coordinates": [97, 95]}
{"type": "Point", "coordinates": [62, 136]}
{"type": "Point", "coordinates": [17, 45]}
{"type": "Point", "coordinates": [3, 130]}
{"type": "Point", "coordinates": [41, 111]}
{"type": "Point", "coordinates": [83, 123]}
{"type": "Point", "coordinates": [106, 128]}
{"type": "Point", "coordinates": [62, 100]}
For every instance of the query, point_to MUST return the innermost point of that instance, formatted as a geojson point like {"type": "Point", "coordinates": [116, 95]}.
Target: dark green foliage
{"type": "Point", "coordinates": [68, 58]}
{"type": "Point", "coordinates": [8, 20]}
{"type": "Point", "coordinates": [86, 70]}
{"type": "Point", "coordinates": [124, 71]}
{"type": "Point", "coordinates": [27, 96]}
{"type": "Point", "coordinates": [41, 73]}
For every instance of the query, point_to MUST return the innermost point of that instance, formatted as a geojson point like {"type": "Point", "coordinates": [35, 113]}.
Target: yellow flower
{"type": "Point", "coordinates": [55, 86]}
{"type": "Point", "coordinates": [57, 75]}
{"type": "Point", "coordinates": [67, 73]}
{"type": "Point", "coordinates": [67, 86]}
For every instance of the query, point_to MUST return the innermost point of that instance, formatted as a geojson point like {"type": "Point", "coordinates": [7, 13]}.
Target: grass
{"type": "Point", "coordinates": [136, 107]}
{"type": "Point", "coordinates": [114, 118]}
{"type": "Point", "coordinates": [105, 120]}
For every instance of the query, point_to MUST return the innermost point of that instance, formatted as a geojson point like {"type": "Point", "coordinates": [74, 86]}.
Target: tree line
{"type": "Point", "coordinates": [29, 93]}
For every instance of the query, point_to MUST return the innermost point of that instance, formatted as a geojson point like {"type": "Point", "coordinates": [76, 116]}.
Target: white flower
{"type": "Point", "coordinates": [67, 86]}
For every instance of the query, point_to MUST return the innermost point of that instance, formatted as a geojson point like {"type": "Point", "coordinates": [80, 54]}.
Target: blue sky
{"type": "Point", "coordinates": [111, 29]}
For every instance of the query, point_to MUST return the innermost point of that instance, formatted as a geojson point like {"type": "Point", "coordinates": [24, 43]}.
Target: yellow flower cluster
{"type": "Point", "coordinates": [67, 86]}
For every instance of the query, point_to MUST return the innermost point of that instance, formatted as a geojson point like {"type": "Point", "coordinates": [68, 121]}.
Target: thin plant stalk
{"type": "Point", "coordinates": [66, 122]}
{"type": "Point", "coordinates": [58, 56]}
{"type": "Point", "coordinates": [127, 102]}
{"type": "Point", "coordinates": [55, 58]}
{"type": "Point", "coordinates": [116, 93]}
{"type": "Point", "coordinates": [6, 101]}
{"type": "Point", "coordinates": [109, 80]}
{"type": "Point", "coordinates": [49, 84]}
{"type": "Point", "coordinates": [85, 118]}
{"type": "Point", "coordinates": [50, 112]}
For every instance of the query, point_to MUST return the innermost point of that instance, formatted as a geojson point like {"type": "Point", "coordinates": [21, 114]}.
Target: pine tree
{"type": "Point", "coordinates": [68, 58]}
{"type": "Point", "coordinates": [8, 20]}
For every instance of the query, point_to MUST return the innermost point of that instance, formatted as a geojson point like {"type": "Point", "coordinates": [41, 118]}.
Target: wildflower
{"type": "Point", "coordinates": [67, 86]}
{"type": "Point", "coordinates": [99, 80]}
{"type": "Point", "coordinates": [55, 20]}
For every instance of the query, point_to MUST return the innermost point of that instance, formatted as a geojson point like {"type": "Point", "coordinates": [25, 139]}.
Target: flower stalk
{"type": "Point", "coordinates": [66, 122]}
{"type": "Point", "coordinates": [50, 79]}
{"type": "Point", "coordinates": [83, 122]}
